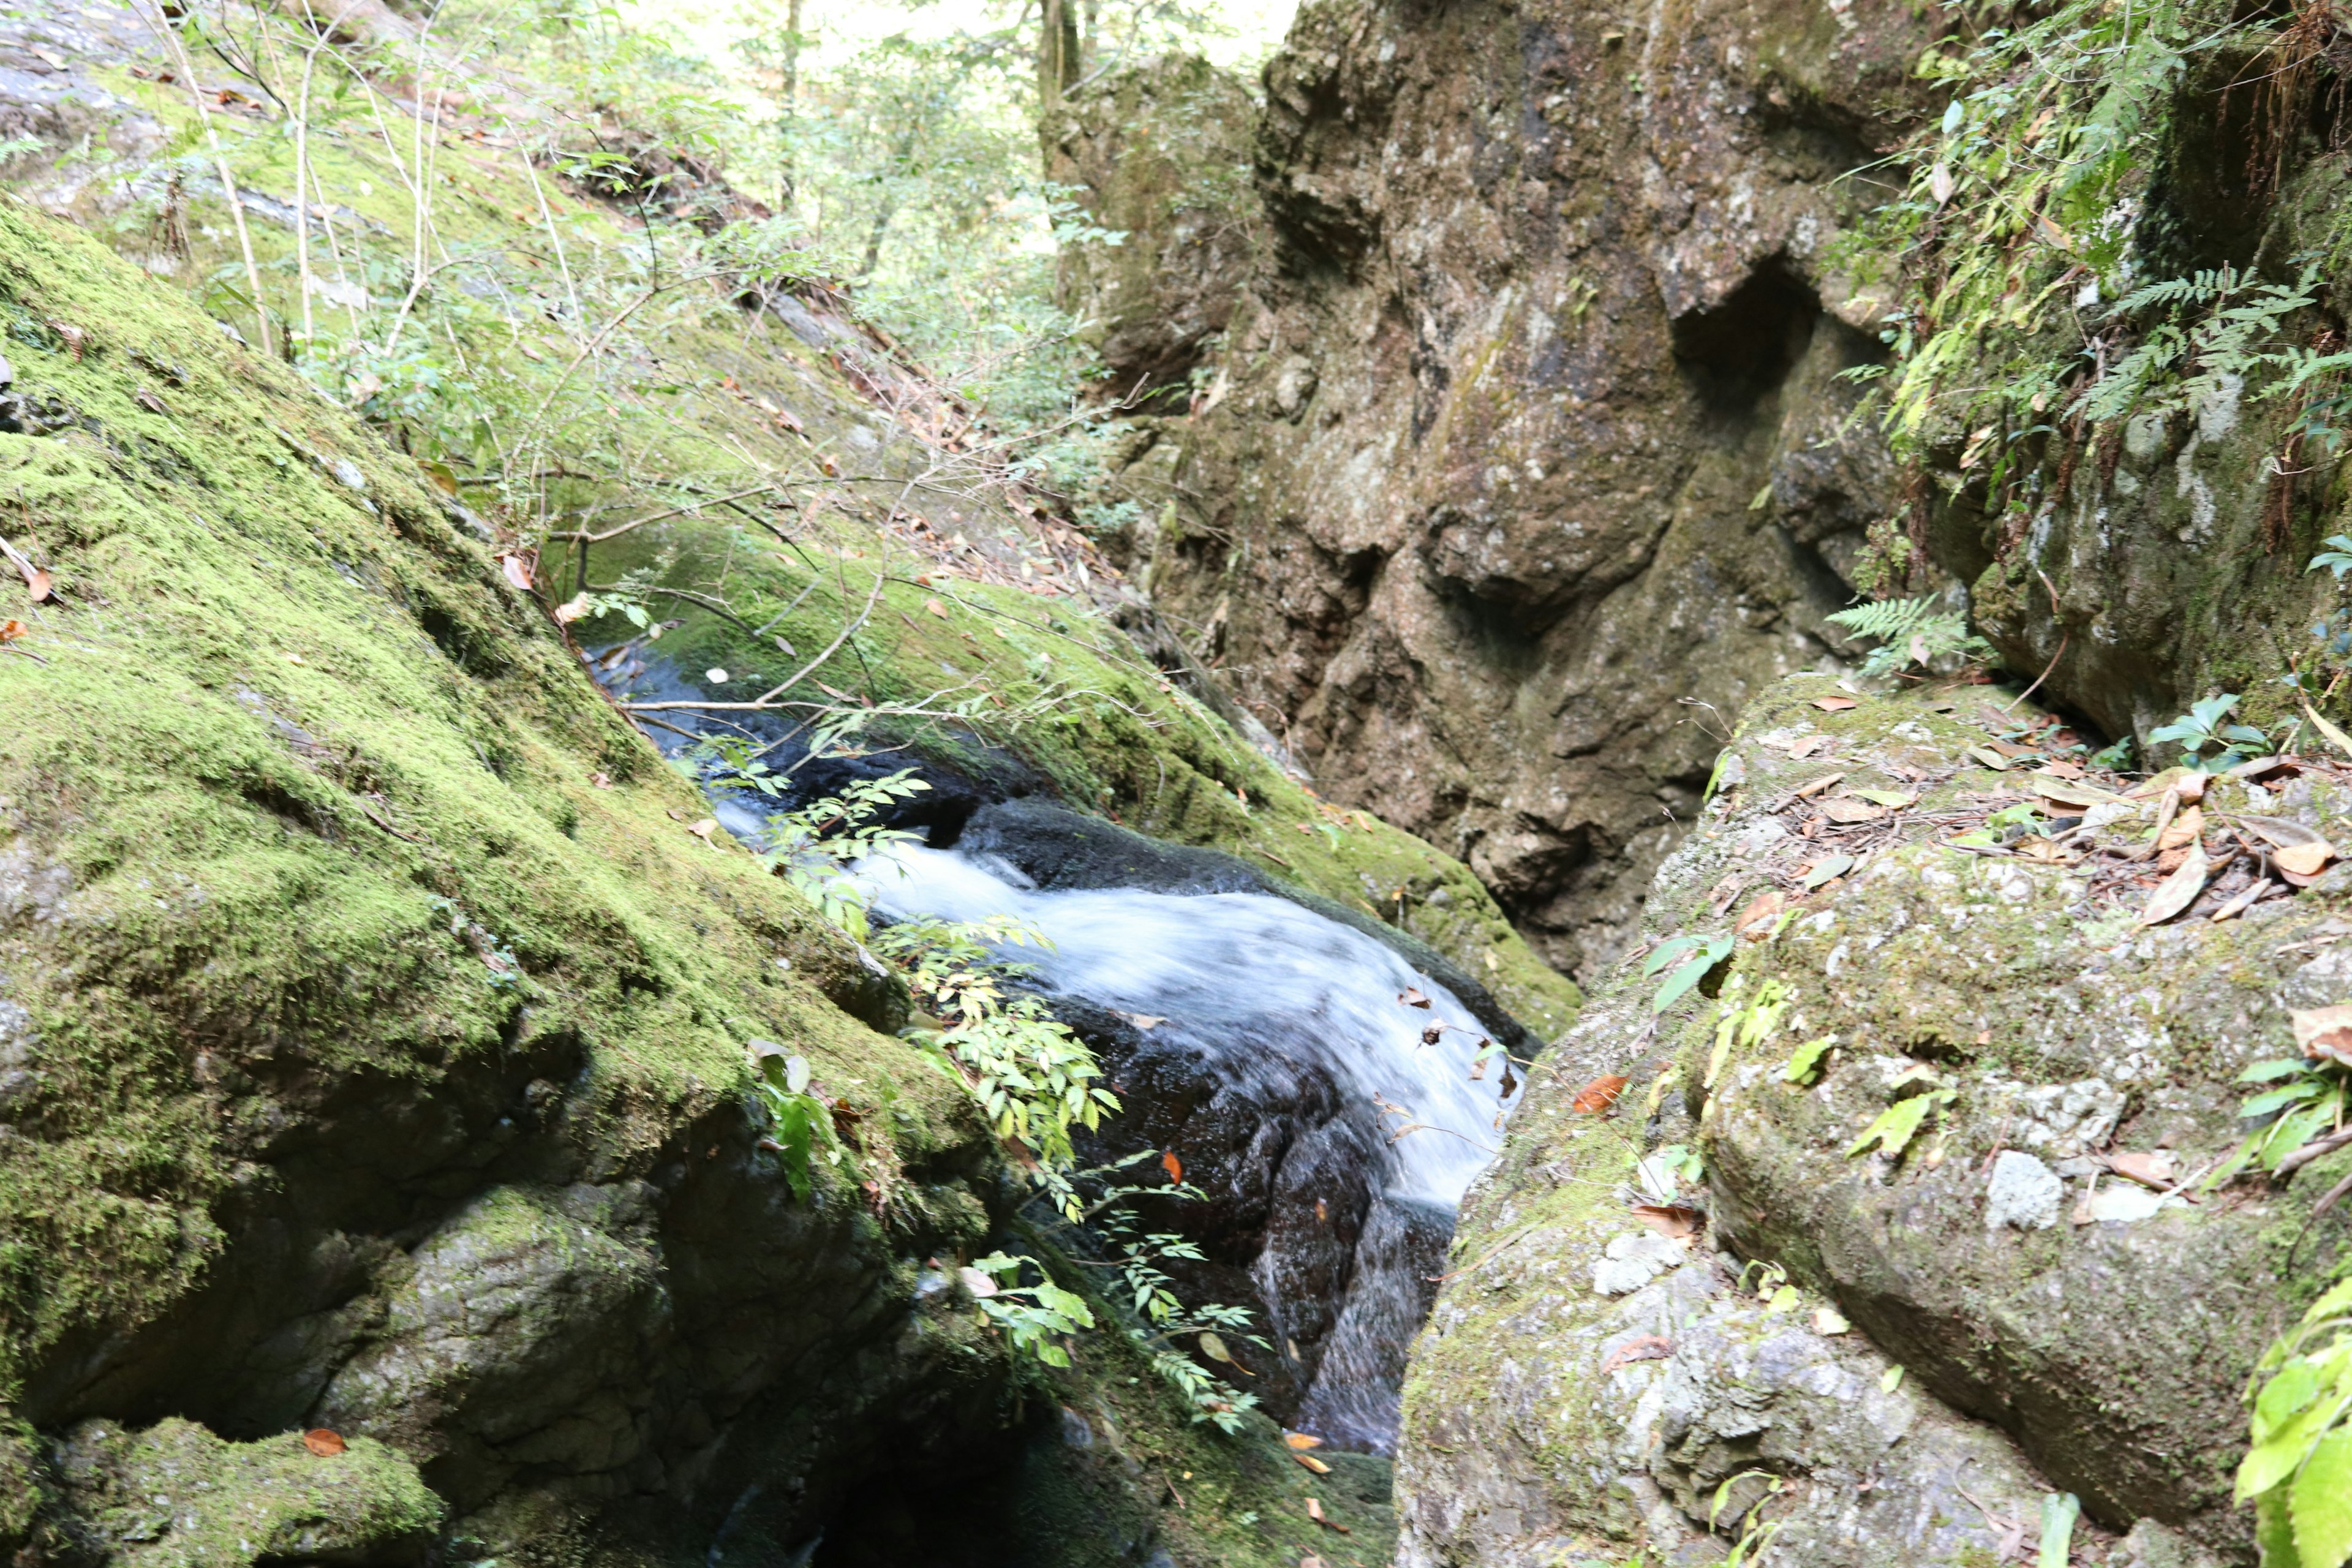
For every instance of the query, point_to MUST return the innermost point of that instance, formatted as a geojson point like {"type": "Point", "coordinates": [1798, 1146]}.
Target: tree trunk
{"type": "Point", "coordinates": [1057, 53]}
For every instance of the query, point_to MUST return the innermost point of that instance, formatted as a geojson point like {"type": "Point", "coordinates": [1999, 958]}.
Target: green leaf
{"type": "Point", "coordinates": [1897, 1124]}
{"type": "Point", "coordinates": [1695, 970]}
{"type": "Point", "coordinates": [2263, 1072]}
{"type": "Point", "coordinates": [1890, 1380]}
{"type": "Point", "coordinates": [1828, 871]}
{"type": "Point", "coordinates": [1805, 1060]}
{"type": "Point", "coordinates": [2273, 1100]}
{"type": "Point", "coordinates": [2281, 1454]}
{"type": "Point", "coordinates": [2292, 1391]}
{"type": "Point", "coordinates": [2059, 1512]}
{"type": "Point", "coordinates": [2321, 1502]}
{"type": "Point", "coordinates": [1667, 952]}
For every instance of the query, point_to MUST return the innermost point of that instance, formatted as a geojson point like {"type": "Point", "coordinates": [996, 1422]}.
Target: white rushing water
{"type": "Point", "coordinates": [1260, 987]}
{"type": "Point", "coordinates": [1223, 968]}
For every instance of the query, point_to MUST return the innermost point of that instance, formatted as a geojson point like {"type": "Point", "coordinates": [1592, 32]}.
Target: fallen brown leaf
{"type": "Point", "coordinates": [936, 608]}
{"type": "Point", "coordinates": [1173, 1166]}
{"type": "Point", "coordinates": [10, 630]}
{"type": "Point", "coordinates": [704, 829]}
{"type": "Point", "coordinates": [2153, 1170]}
{"type": "Point", "coordinates": [1598, 1095]}
{"type": "Point", "coordinates": [2324, 1032]}
{"type": "Point", "coordinates": [2184, 829]}
{"type": "Point", "coordinates": [1312, 1463]}
{"type": "Point", "coordinates": [601, 780]}
{"type": "Point", "coordinates": [324, 1443]}
{"type": "Point", "coordinates": [1315, 1512]}
{"type": "Point", "coordinates": [1302, 1440]}
{"type": "Point", "coordinates": [2180, 890]}
{"type": "Point", "coordinates": [1762, 908]}
{"type": "Point", "coordinates": [572, 610]}
{"type": "Point", "coordinates": [1845, 810]}
{"type": "Point", "coordinates": [1834, 704]}
{"type": "Point", "coordinates": [2305, 859]}
{"type": "Point", "coordinates": [516, 570]}
{"type": "Point", "coordinates": [1643, 1347]}
{"type": "Point", "coordinates": [1411, 997]}
{"type": "Point", "coordinates": [1670, 1220]}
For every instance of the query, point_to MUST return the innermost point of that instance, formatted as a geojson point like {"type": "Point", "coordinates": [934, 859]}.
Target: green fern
{"type": "Point", "coordinates": [1909, 632]}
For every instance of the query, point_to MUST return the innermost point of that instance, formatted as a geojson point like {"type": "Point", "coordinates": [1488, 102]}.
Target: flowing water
{"type": "Point", "coordinates": [1258, 986]}
{"type": "Point", "coordinates": [1259, 994]}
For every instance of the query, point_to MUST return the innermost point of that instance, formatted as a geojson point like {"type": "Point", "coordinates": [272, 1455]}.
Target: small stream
{"type": "Point", "coordinates": [1275, 1047]}
{"type": "Point", "coordinates": [1256, 988]}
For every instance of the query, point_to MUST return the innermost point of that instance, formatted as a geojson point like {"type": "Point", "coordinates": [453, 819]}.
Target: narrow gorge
{"type": "Point", "coordinates": [1464, 786]}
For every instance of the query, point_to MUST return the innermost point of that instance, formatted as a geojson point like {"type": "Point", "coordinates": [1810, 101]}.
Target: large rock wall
{"type": "Point", "coordinates": [1529, 430]}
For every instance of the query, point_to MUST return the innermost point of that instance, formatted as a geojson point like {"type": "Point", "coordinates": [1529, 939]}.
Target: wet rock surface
{"type": "Point", "coordinates": [1529, 427]}
{"type": "Point", "coordinates": [2060, 1324]}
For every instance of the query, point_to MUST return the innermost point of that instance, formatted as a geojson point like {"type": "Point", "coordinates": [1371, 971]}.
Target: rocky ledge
{"type": "Point", "coordinates": [1901, 1225]}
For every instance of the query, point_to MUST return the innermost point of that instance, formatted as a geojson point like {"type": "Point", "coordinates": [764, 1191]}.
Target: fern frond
{"type": "Point", "coordinates": [1888, 619]}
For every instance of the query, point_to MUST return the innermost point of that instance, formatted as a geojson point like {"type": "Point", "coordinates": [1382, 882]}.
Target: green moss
{"type": "Point", "coordinates": [288, 769]}
{"type": "Point", "coordinates": [175, 1496]}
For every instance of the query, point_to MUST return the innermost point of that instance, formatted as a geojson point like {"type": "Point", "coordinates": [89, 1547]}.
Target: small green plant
{"type": "Point", "coordinates": [2336, 557]}
{"type": "Point", "coordinates": [1697, 956]}
{"type": "Point", "coordinates": [1034, 1318]}
{"type": "Point", "coordinates": [1034, 1077]}
{"type": "Point", "coordinates": [814, 846]}
{"type": "Point", "coordinates": [1899, 1123]}
{"type": "Point", "coordinates": [2311, 1097]}
{"type": "Point", "coordinates": [799, 1122]}
{"type": "Point", "coordinates": [1912, 631]}
{"type": "Point", "coordinates": [2297, 1471]}
{"type": "Point", "coordinates": [2205, 727]}
{"type": "Point", "coordinates": [1746, 1025]}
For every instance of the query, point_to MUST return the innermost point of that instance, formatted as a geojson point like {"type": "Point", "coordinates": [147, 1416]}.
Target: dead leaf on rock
{"type": "Point", "coordinates": [2324, 1032]}
{"type": "Point", "coordinates": [1989, 757]}
{"type": "Point", "coordinates": [1302, 1440]}
{"type": "Point", "coordinates": [1807, 747]}
{"type": "Point", "coordinates": [1845, 811]}
{"type": "Point", "coordinates": [1672, 1221]}
{"type": "Point", "coordinates": [1834, 704]}
{"type": "Point", "coordinates": [1761, 909]}
{"type": "Point", "coordinates": [1598, 1095]}
{"type": "Point", "coordinates": [936, 608]}
{"type": "Point", "coordinates": [2180, 890]}
{"type": "Point", "coordinates": [2034, 847]}
{"type": "Point", "coordinates": [516, 570]}
{"type": "Point", "coordinates": [1827, 870]}
{"type": "Point", "coordinates": [2184, 829]}
{"type": "Point", "coordinates": [2305, 859]}
{"type": "Point", "coordinates": [1315, 1512]}
{"type": "Point", "coordinates": [704, 829]}
{"type": "Point", "coordinates": [1641, 1347]}
{"type": "Point", "coordinates": [324, 1443]}
{"type": "Point", "coordinates": [1312, 1463]}
{"type": "Point", "coordinates": [1411, 997]}
{"type": "Point", "coordinates": [2152, 1169]}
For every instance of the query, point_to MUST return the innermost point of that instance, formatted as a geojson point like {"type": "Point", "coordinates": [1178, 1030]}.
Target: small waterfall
{"type": "Point", "coordinates": [1259, 989]}
{"type": "Point", "coordinates": [1264, 1026]}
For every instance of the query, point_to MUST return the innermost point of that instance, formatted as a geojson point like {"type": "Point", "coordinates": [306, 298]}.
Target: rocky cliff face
{"type": "Point", "coordinates": [1529, 428]}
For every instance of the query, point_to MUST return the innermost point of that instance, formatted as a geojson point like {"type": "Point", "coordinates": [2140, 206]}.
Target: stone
{"type": "Point", "coordinates": [2024, 1193]}
{"type": "Point", "coordinates": [1630, 1261]}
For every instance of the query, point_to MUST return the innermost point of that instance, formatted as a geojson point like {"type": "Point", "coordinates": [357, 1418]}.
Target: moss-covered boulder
{"type": "Point", "coordinates": [1955, 1099]}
